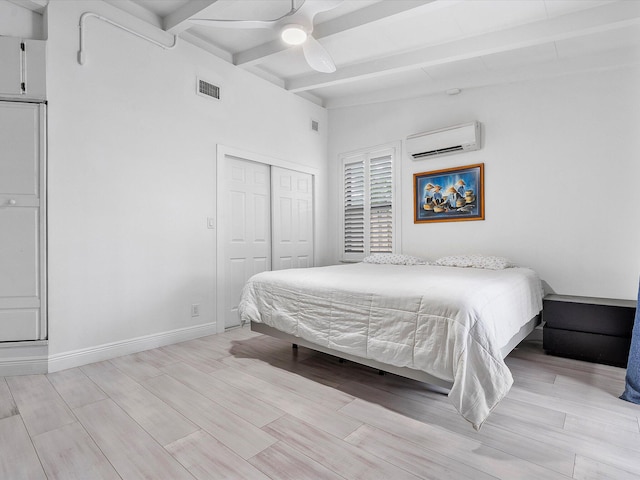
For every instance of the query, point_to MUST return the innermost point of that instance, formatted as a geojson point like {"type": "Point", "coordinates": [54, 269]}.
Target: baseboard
{"type": "Point", "coordinates": [77, 358]}
{"type": "Point", "coordinates": [23, 358]}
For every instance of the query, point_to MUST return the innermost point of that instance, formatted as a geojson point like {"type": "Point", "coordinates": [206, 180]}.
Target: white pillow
{"type": "Point", "coordinates": [394, 259]}
{"type": "Point", "coordinates": [475, 261]}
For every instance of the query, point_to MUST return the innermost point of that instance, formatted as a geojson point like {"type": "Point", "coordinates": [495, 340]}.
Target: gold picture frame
{"type": "Point", "coordinates": [449, 195]}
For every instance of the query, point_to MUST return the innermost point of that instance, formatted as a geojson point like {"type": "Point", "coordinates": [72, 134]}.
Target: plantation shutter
{"type": "Point", "coordinates": [354, 207]}
{"type": "Point", "coordinates": [381, 199]}
{"type": "Point", "coordinates": [368, 214]}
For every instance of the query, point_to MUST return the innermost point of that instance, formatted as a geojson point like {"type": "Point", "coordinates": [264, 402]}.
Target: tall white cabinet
{"type": "Point", "coordinates": [22, 222]}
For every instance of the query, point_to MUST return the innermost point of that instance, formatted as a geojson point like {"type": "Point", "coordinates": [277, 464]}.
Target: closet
{"type": "Point", "coordinates": [22, 222]}
{"type": "Point", "coordinates": [265, 222]}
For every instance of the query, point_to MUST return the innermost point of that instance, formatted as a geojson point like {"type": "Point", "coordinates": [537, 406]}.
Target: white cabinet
{"type": "Point", "coordinates": [23, 72]}
{"type": "Point", "coordinates": [22, 222]}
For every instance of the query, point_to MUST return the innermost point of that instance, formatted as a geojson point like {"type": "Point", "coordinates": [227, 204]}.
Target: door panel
{"type": "Point", "coordinates": [19, 130]}
{"type": "Point", "coordinates": [11, 71]}
{"type": "Point", "coordinates": [21, 247]}
{"type": "Point", "coordinates": [261, 211]}
{"type": "Point", "coordinates": [20, 267]}
{"type": "Point", "coordinates": [292, 200]}
{"type": "Point", "coordinates": [247, 246]}
{"type": "Point", "coordinates": [18, 325]}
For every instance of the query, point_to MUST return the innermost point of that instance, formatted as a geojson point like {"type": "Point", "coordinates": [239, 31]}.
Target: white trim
{"type": "Point", "coordinates": [23, 358]}
{"type": "Point", "coordinates": [43, 328]}
{"type": "Point", "coordinates": [223, 151]}
{"type": "Point", "coordinates": [76, 358]}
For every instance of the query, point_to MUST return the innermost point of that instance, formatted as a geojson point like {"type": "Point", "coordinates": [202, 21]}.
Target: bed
{"type": "Point", "coordinates": [443, 325]}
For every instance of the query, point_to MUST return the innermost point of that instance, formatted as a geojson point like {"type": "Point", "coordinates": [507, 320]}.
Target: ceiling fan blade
{"type": "Point", "coordinates": [211, 22]}
{"type": "Point", "coordinates": [317, 57]}
{"type": "Point", "coordinates": [311, 7]}
{"type": "Point", "coordinates": [233, 23]}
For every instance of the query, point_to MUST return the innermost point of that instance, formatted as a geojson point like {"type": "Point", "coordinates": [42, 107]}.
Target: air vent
{"type": "Point", "coordinates": [315, 126]}
{"type": "Point", "coordinates": [442, 151]}
{"type": "Point", "coordinates": [207, 89]}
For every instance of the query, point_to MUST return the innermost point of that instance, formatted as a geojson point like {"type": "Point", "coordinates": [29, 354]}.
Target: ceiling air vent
{"type": "Point", "coordinates": [207, 89]}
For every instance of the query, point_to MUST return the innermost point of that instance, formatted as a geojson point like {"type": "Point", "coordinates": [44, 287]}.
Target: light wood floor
{"type": "Point", "coordinates": [246, 406]}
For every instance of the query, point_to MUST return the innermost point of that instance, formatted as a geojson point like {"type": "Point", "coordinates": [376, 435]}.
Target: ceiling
{"type": "Point", "coordinates": [393, 49]}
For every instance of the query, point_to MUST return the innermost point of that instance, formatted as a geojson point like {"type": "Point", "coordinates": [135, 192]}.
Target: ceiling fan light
{"type": "Point", "coordinates": [293, 35]}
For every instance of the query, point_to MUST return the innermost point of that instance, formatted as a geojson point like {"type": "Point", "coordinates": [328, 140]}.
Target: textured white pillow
{"type": "Point", "coordinates": [475, 261]}
{"type": "Point", "coordinates": [394, 259]}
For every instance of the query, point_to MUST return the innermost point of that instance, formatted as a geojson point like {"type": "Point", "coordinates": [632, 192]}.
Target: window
{"type": "Point", "coordinates": [369, 207]}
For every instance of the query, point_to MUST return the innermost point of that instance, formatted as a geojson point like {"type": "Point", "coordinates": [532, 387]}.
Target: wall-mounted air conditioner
{"type": "Point", "coordinates": [445, 141]}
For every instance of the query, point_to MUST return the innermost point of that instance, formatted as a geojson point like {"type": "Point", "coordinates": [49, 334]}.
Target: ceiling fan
{"type": "Point", "coordinates": [295, 28]}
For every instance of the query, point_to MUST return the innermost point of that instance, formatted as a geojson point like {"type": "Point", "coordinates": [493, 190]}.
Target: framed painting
{"type": "Point", "coordinates": [449, 195]}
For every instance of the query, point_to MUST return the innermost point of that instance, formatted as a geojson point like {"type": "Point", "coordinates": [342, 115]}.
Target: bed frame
{"type": "Point", "coordinates": [384, 367]}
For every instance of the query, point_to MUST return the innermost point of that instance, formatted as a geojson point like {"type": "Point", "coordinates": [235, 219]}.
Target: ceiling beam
{"type": "Point", "coordinates": [37, 6]}
{"type": "Point", "coordinates": [598, 19]}
{"type": "Point", "coordinates": [195, 39]}
{"type": "Point", "coordinates": [178, 21]}
{"type": "Point", "coordinates": [381, 12]}
{"type": "Point", "coordinates": [137, 11]}
{"type": "Point", "coordinates": [604, 61]}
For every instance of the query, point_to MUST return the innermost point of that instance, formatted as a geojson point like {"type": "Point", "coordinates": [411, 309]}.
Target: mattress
{"type": "Point", "coordinates": [446, 321]}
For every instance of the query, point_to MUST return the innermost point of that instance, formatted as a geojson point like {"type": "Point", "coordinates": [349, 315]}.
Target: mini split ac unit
{"type": "Point", "coordinates": [445, 141]}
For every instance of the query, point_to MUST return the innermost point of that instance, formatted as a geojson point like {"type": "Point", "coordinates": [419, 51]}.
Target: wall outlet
{"type": "Point", "coordinates": [195, 310]}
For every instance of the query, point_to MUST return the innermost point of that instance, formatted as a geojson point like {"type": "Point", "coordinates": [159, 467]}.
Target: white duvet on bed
{"type": "Point", "coordinates": [449, 322]}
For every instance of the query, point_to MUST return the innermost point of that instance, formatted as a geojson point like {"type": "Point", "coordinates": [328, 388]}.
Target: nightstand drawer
{"type": "Point", "coordinates": [590, 347]}
{"type": "Point", "coordinates": [614, 320]}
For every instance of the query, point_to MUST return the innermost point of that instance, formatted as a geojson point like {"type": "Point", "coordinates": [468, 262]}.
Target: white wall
{"type": "Point", "coordinates": [16, 21]}
{"type": "Point", "coordinates": [132, 174]}
{"type": "Point", "coordinates": [561, 175]}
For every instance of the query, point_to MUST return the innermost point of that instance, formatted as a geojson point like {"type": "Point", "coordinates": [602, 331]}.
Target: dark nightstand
{"type": "Point", "coordinates": [586, 328]}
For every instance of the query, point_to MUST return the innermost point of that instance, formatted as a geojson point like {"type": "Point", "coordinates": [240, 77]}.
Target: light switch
{"type": "Point", "coordinates": [211, 222]}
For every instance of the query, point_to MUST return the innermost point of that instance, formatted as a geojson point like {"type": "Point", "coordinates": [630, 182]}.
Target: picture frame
{"type": "Point", "coordinates": [449, 195]}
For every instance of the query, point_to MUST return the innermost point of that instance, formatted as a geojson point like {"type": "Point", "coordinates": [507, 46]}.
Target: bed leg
{"type": "Point", "coordinates": [341, 360]}
{"type": "Point", "coordinates": [380, 372]}
{"type": "Point", "coordinates": [294, 346]}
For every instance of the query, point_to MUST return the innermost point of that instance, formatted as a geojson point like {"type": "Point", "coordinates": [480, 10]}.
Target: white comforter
{"type": "Point", "coordinates": [449, 322]}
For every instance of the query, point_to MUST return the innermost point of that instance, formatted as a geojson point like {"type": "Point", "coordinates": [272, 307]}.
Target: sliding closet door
{"type": "Point", "coordinates": [265, 221]}
{"type": "Point", "coordinates": [246, 223]}
{"type": "Point", "coordinates": [22, 249]}
{"type": "Point", "coordinates": [291, 218]}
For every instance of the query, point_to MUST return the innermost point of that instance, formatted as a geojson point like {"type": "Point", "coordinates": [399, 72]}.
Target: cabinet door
{"type": "Point", "coordinates": [21, 252]}
{"type": "Point", "coordinates": [11, 71]}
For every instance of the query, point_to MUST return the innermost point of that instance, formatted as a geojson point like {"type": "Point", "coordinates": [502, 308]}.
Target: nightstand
{"type": "Point", "coordinates": [586, 328]}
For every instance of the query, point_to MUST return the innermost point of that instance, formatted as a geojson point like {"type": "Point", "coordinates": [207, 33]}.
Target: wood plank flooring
{"type": "Point", "coordinates": [245, 406]}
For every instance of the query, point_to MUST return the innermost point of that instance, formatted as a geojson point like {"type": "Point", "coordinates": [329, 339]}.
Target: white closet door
{"type": "Point", "coordinates": [21, 222]}
{"type": "Point", "coordinates": [292, 218]}
{"type": "Point", "coordinates": [247, 229]}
